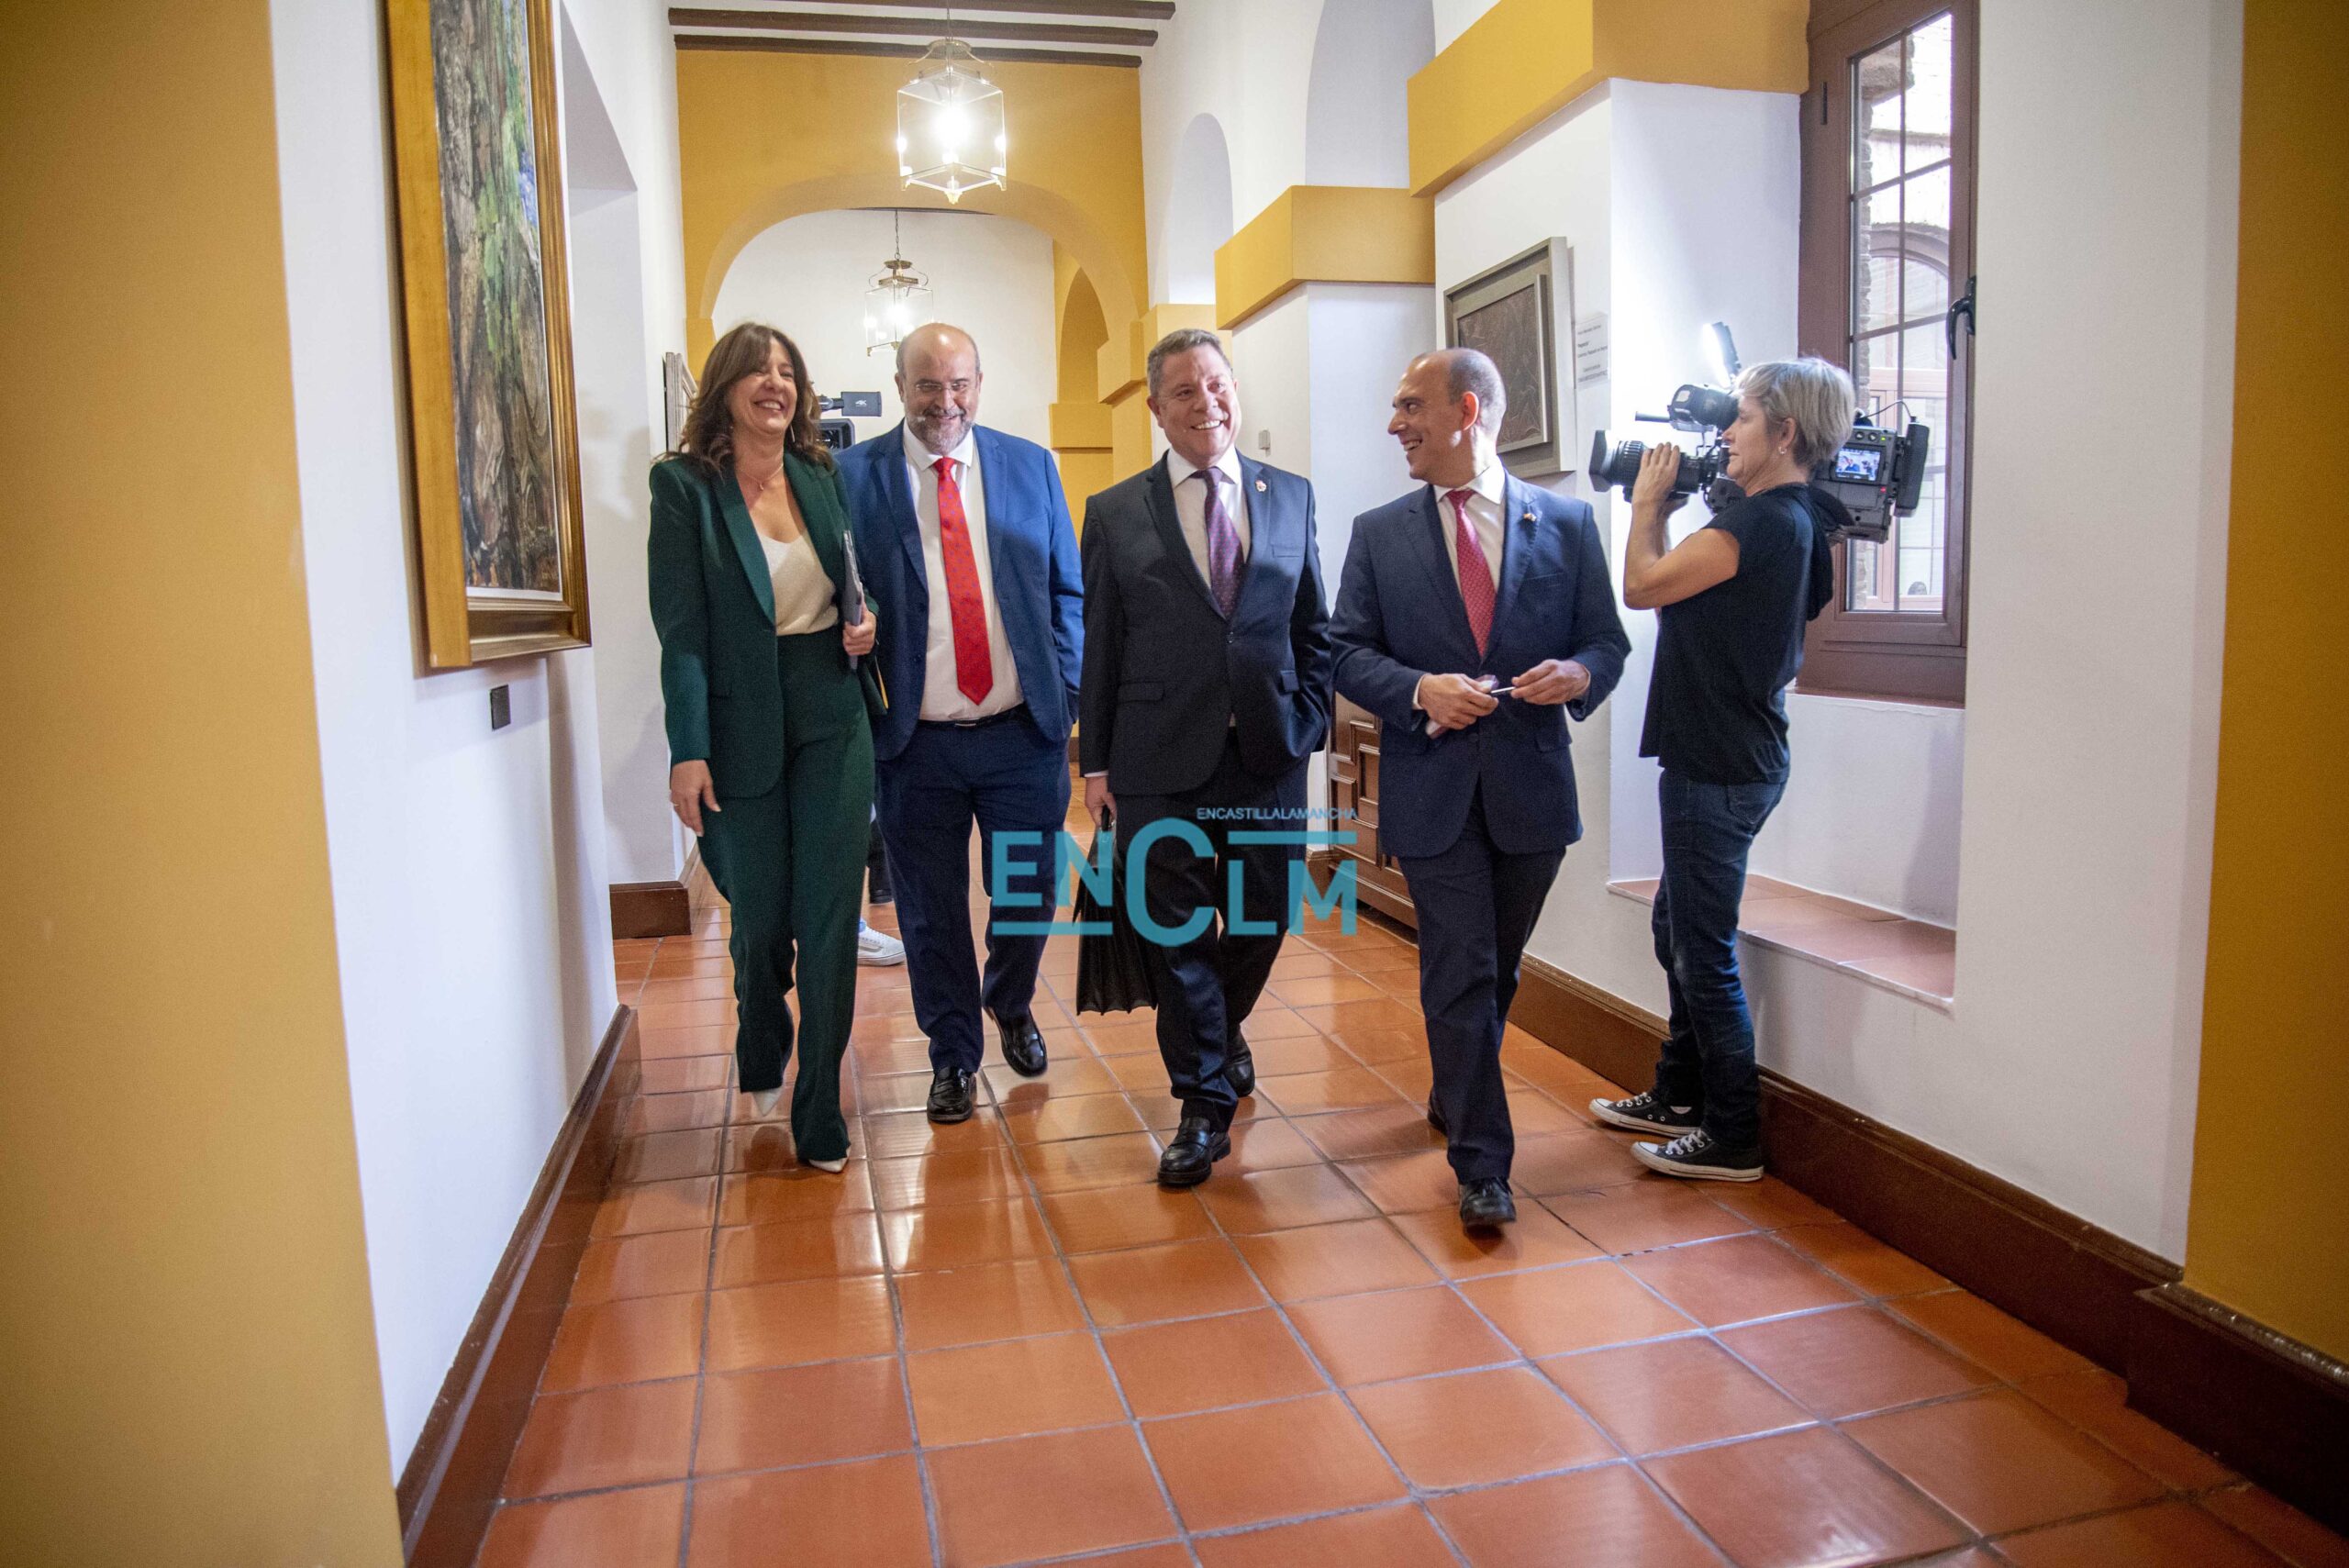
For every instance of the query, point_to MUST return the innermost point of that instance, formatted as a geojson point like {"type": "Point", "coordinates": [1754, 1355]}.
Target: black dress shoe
{"type": "Point", "coordinates": [1023, 1045]}
{"type": "Point", "coordinates": [1435, 1118]}
{"type": "Point", "coordinates": [1484, 1205]}
{"type": "Point", "coordinates": [1191, 1157]}
{"type": "Point", "coordinates": [949, 1096]}
{"type": "Point", "coordinates": [1240, 1068]}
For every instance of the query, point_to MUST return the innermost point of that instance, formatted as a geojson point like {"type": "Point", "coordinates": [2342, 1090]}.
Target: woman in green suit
{"type": "Point", "coordinates": [769, 739]}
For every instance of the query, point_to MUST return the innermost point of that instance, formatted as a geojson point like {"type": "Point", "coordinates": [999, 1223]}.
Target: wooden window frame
{"type": "Point", "coordinates": [1906, 655]}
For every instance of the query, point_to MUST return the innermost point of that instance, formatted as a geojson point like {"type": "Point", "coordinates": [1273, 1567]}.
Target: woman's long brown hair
{"type": "Point", "coordinates": [709, 439]}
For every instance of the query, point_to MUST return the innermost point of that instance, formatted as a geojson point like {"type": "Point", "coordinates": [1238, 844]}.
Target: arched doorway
{"type": "Point", "coordinates": [1357, 131]}
{"type": "Point", "coordinates": [1197, 217]}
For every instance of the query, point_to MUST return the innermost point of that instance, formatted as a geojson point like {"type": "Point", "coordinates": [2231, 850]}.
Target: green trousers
{"type": "Point", "coordinates": [791, 862]}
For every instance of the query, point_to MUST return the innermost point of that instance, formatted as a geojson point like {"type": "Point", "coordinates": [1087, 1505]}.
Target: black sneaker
{"type": "Point", "coordinates": [1699, 1157]}
{"type": "Point", "coordinates": [1644, 1112]}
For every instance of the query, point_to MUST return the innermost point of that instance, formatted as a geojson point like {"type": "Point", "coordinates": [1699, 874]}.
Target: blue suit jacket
{"type": "Point", "coordinates": [1399, 616]}
{"type": "Point", "coordinates": [1031, 555]}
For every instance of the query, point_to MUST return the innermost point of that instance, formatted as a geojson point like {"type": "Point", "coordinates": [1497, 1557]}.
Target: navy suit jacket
{"type": "Point", "coordinates": [1399, 616]}
{"type": "Point", "coordinates": [1031, 555]}
{"type": "Point", "coordinates": [1165, 676]}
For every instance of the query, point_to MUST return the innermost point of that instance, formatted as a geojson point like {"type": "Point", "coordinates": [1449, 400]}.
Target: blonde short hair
{"type": "Point", "coordinates": [1813, 393]}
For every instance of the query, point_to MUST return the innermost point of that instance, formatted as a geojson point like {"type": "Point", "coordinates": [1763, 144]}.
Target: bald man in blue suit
{"type": "Point", "coordinates": [964, 536]}
{"type": "Point", "coordinates": [1475, 615]}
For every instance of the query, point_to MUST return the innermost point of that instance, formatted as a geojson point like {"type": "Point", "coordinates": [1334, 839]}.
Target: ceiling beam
{"type": "Point", "coordinates": [910, 27]}
{"type": "Point", "coordinates": [742, 42]}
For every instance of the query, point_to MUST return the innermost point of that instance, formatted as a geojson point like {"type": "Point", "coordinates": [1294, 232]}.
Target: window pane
{"type": "Point", "coordinates": [1876, 370]}
{"type": "Point", "coordinates": [1926, 121]}
{"type": "Point", "coordinates": [1877, 79]}
{"type": "Point", "coordinates": [1869, 575]}
{"type": "Point", "coordinates": [1875, 263]}
{"type": "Point", "coordinates": [1865, 562]}
{"type": "Point", "coordinates": [1924, 534]}
{"type": "Point", "coordinates": [1924, 243]}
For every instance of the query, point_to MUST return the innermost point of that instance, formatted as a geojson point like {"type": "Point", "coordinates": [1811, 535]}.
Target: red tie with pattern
{"type": "Point", "coordinates": [1475, 572]}
{"type": "Point", "coordinates": [974, 670]}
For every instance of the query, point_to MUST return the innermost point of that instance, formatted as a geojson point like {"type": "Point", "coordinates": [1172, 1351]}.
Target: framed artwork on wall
{"type": "Point", "coordinates": [678, 391]}
{"type": "Point", "coordinates": [1510, 312]}
{"type": "Point", "coordinates": [479, 164]}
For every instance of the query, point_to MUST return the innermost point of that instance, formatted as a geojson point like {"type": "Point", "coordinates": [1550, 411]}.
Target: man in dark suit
{"type": "Point", "coordinates": [1207, 690]}
{"type": "Point", "coordinates": [1474, 581]}
{"type": "Point", "coordinates": [964, 536]}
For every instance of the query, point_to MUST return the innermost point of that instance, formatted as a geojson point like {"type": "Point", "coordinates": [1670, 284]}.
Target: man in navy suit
{"type": "Point", "coordinates": [1472, 582]}
{"type": "Point", "coordinates": [964, 536]}
{"type": "Point", "coordinates": [1207, 690]}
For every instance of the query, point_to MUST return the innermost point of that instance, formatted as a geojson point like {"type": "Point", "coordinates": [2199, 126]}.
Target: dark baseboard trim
{"type": "Point", "coordinates": [2274, 1408]}
{"type": "Point", "coordinates": [1602, 1031]}
{"type": "Point", "coordinates": [449, 1486]}
{"type": "Point", "coordinates": [2064, 1277]}
{"type": "Point", "coordinates": [2070, 1280]}
{"type": "Point", "coordinates": [652, 909]}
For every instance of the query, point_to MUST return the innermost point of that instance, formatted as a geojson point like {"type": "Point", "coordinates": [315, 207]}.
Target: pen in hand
{"type": "Point", "coordinates": [1432, 729]}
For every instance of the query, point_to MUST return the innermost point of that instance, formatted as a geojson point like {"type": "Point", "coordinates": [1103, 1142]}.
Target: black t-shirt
{"type": "Point", "coordinates": [1717, 708]}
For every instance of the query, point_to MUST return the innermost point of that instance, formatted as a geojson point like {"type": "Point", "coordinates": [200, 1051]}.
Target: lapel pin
{"type": "Point", "coordinates": [1259, 486]}
{"type": "Point", "coordinates": [1528, 516]}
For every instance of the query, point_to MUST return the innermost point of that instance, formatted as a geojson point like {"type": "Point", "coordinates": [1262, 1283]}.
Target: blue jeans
{"type": "Point", "coordinates": [1708, 1061]}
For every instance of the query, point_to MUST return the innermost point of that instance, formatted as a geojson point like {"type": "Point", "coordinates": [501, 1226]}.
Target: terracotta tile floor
{"type": "Point", "coordinates": [1001, 1344]}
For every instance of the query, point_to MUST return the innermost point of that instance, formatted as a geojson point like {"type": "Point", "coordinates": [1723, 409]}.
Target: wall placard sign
{"type": "Point", "coordinates": [1590, 349]}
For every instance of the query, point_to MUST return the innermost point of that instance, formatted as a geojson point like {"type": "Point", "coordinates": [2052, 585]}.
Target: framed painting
{"type": "Point", "coordinates": [479, 161]}
{"type": "Point", "coordinates": [1510, 312]}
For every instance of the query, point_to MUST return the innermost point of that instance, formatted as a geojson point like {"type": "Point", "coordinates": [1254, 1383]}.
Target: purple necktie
{"type": "Point", "coordinates": [1223, 547]}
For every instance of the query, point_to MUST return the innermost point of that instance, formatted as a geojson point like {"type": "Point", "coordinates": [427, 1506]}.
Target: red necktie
{"type": "Point", "coordinates": [974, 670]}
{"type": "Point", "coordinates": [1475, 572]}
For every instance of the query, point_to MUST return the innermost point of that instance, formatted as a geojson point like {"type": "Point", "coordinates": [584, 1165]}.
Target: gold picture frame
{"type": "Point", "coordinates": [478, 158]}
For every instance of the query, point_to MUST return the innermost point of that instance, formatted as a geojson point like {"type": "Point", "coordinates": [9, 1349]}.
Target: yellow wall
{"type": "Point", "coordinates": [1080, 423]}
{"type": "Point", "coordinates": [2267, 1233]}
{"type": "Point", "coordinates": [1123, 359]}
{"type": "Point", "coordinates": [187, 1346]}
{"type": "Point", "coordinates": [764, 136]}
{"type": "Point", "coordinates": [1524, 59]}
{"type": "Point", "coordinates": [1331, 234]}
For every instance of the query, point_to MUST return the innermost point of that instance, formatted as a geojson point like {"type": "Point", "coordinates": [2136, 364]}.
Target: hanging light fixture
{"type": "Point", "coordinates": [949, 122]}
{"type": "Point", "coordinates": [898, 300]}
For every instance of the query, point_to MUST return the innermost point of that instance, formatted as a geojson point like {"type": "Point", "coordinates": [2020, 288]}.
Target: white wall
{"type": "Point", "coordinates": [1364, 53]}
{"type": "Point", "coordinates": [1198, 216]}
{"type": "Point", "coordinates": [2091, 730]}
{"type": "Point", "coordinates": [1453, 17]}
{"type": "Point", "coordinates": [2065, 814]}
{"type": "Point", "coordinates": [991, 276]}
{"type": "Point", "coordinates": [613, 358]}
{"type": "Point", "coordinates": [469, 872]}
{"type": "Point", "coordinates": [1246, 62]}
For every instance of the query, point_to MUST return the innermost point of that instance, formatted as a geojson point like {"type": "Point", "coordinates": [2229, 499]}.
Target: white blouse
{"type": "Point", "coordinates": [804, 599]}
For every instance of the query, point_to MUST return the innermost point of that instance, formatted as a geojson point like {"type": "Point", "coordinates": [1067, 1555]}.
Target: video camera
{"type": "Point", "coordinates": [840, 414]}
{"type": "Point", "coordinates": [1876, 473]}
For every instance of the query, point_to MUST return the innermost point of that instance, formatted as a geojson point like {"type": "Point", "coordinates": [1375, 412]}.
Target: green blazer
{"type": "Point", "coordinates": [713, 606]}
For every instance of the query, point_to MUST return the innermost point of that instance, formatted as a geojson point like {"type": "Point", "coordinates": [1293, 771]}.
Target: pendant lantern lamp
{"type": "Point", "coordinates": [949, 123]}
{"type": "Point", "coordinates": [898, 300]}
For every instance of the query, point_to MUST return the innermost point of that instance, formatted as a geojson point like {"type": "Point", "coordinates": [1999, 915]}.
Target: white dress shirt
{"type": "Point", "coordinates": [1483, 509]}
{"type": "Point", "coordinates": [1191, 504]}
{"type": "Point", "coordinates": [942, 698]}
{"type": "Point", "coordinates": [804, 599]}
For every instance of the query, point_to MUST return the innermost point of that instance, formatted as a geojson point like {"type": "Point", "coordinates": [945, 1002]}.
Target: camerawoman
{"type": "Point", "coordinates": [1731, 600]}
